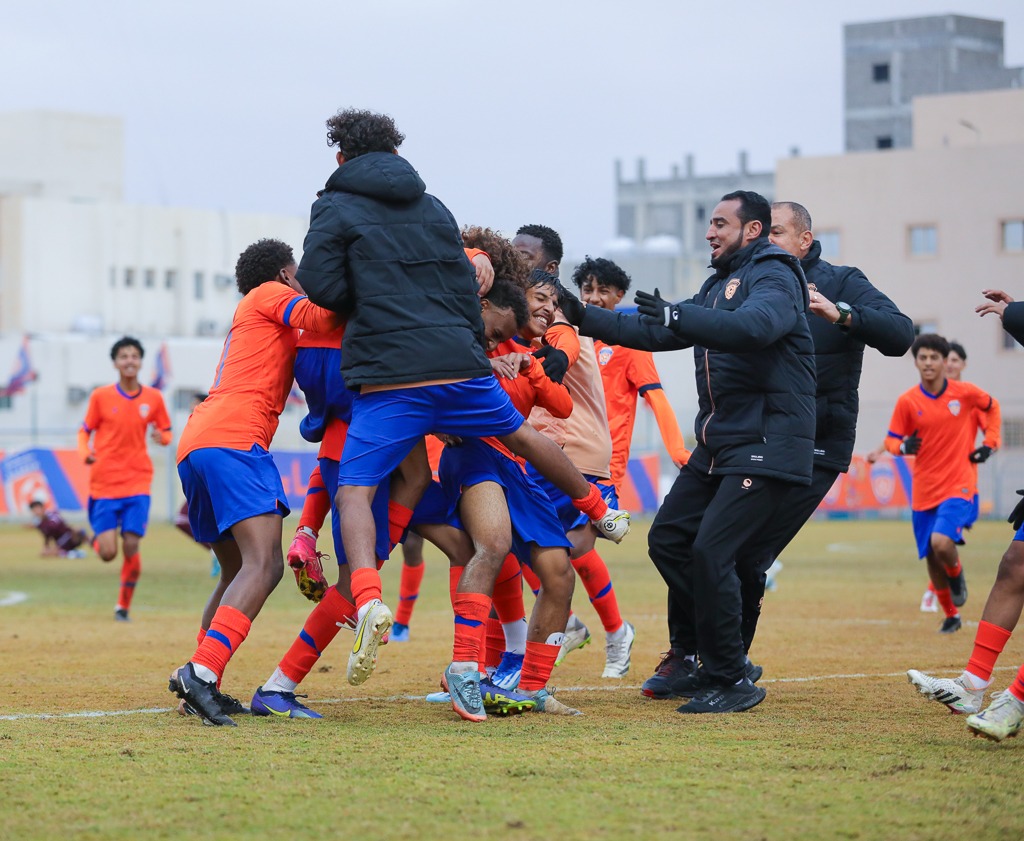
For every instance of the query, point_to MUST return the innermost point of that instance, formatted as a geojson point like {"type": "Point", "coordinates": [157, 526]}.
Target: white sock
{"type": "Point", "coordinates": [690, 658]}
{"type": "Point", "coordinates": [462, 667]}
{"type": "Point", "coordinates": [972, 681]}
{"type": "Point", "coordinates": [515, 635]}
{"type": "Point", "coordinates": [306, 530]}
{"type": "Point", "coordinates": [280, 682]}
{"type": "Point", "coordinates": [556, 638]}
{"type": "Point", "coordinates": [616, 636]}
{"type": "Point", "coordinates": [204, 674]}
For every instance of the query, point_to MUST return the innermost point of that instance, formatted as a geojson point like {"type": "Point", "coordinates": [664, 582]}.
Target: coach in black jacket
{"type": "Point", "coordinates": [754, 428]}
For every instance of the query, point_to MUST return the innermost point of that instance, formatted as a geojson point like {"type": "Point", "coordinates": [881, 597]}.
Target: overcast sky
{"type": "Point", "coordinates": [514, 112]}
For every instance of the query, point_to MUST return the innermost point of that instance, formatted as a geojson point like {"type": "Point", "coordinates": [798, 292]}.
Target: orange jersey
{"type": "Point", "coordinates": [331, 340]}
{"type": "Point", "coordinates": [118, 422]}
{"type": "Point", "coordinates": [627, 375]}
{"type": "Point", "coordinates": [255, 371]}
{"type": "Point", "coordinates": [531, 388]}
{"type": "Point", "coordinates": [947, 426]}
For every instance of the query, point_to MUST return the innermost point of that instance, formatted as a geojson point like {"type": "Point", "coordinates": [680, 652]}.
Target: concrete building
{"type": "Point", "coordinates": [889, 63]}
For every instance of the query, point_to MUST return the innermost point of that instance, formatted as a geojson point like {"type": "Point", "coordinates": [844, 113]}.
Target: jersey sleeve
{"type": "Point", "coordinates": [991, 417]}
{"type": "Point", "coordinates": [161, 419]}
{"type": "Point", "coordinates": [549, 395]}
{"type": "Point", "coordinates": [286, 306]}
{"type": "Point", "coordinates": [899, 426]}
{"type": "Point", "coordinates": [668, 426]}
{"type": "Point", "coordinates": [564, 338]}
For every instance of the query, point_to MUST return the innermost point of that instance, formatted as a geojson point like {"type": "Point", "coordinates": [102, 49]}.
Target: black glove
{"type": "Point", "coordinates": [555, 362]}
{"type": "Point", "coordinates": [571, 306]}
{"type": "Point", "coordinates": [1016, 518]}
{"type": "Point", "coordinates": [655, 307]}
{"type": "Point", "coordinates": [980, 455]}
{"type": "Point", "coordinates": [911, 444]}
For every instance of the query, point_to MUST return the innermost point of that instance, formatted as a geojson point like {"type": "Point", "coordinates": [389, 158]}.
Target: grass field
{"type": "Point", "coordinates": [841, 748]}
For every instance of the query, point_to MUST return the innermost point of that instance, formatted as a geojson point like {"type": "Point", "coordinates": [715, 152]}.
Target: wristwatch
{"type": "Point", "coordinates": [845, 311]}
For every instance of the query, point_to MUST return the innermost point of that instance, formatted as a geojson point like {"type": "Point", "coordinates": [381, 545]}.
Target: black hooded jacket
{"type": "Point", "coordinates": [1013, 320]}
{"type": "Point", "coordinates": [754, 359]}
{"type": "Point", "coordinates": [839, 353]}
{"type": "Point", "coordinates": [387, 255]}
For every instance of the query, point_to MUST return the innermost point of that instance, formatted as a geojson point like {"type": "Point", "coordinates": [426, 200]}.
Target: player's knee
{"type": "Point", "coordinates": [1011, 565]}
{"type": "Point", "coordinates": [940, 543]}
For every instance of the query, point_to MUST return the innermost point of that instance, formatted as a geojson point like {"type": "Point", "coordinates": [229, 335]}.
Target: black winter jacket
{"type": "Point", "coordinates": [839, 353]}
{"type": "Point", "coordinates": [754, 359]}
{"type": "Point", "coordinates": [1013, 320]}
{"type": "Point", "coordinates": [389, 256]}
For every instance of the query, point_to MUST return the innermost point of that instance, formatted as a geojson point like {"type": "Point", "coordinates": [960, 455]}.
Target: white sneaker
{"type": "Point", "coordinates": [616, 653]}
{"type": "Point", "coordinates": [952, 693]}
{"type": "Point", "coordinates": [576, 636]}
{"type": "Point", "coordinates": [546, 702]}
{"type": "Point", "coordinates": [1002, 719]}
{"type": "Point", "coordinates": [374, 626]}
{"type": "Point", "coordinates": [614, 525]}
{"type": "Point", "coordinates": [929, 604]}
{"type": "Point", "coordinates": [772, 573]}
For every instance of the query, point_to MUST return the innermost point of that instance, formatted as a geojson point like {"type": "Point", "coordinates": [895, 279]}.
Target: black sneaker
{"type": "Point", "coordinates": [199, 696]}
{"type": "Point", "coordinates": [950, 625]}
{"type": "Point", "coordinates": [958, 588]}
{"type": "Point", "coordinates": [672, 668]}
{"type": "Point", "coordinates": [228, 705]}
{"type": "Point", "coordinates": [121, 615]}
{"type": "Point", "coordinates": [753, 672]}
{"type": "Point", "coordinates": [726, 699]}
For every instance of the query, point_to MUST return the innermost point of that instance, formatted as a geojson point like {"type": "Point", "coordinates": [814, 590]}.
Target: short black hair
{"type": "Point", "coordinates": [539, 277]}
{"type": "Point", "coordinates": [36, 502]}
{"type": "Point", "coordinates": [753, 206]}
{"type": "Point", "coordinates": [550, 241]}
{"type": "Point", "coordinates": [958, 349]}
{"type": "Point", "coordinates": [507, 294]}
{"type": "Point", "coordinates": [357, 132]}
{"type": "Point", "coordinates": [262, 262]}
{"type": "Point", "coordinates": [930, 341]}
{"type": "Point", "coordinates": [126, 341]}
{"type": "Point", "coordinates": [603, 271]}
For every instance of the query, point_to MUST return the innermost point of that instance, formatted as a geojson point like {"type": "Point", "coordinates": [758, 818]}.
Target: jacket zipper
{"type": "Point", "coordinates": [711, 397]}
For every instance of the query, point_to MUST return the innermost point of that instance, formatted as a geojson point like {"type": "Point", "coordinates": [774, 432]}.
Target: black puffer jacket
{"type": "Point", "coordinates": [388, 255]}
{"type": "Point", "coordinates": [1013, 320]}
{"type": "Point", "coordinates": [839, 353]}
{"type": "Point", "coordinates": [754, 358]}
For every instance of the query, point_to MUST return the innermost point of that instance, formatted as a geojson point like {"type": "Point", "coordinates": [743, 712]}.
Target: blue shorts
{"type": "Point", "coordinates": [533, 518]}
{"type": "Point", "coordinates": [130, 512]}
{"type": "Point", "coordinates": [224, 487]}
{"type": "Point", "coordinates": [950, 518]}
{"type": "Point", "coordinates": [318, 374]}
{"type": "Point", "coordinates": [1019, 534]}
{"type": "Point", "coordinates": [387, 424]}
{"type": "Point", "coordinates": [435, 509]}
{"type": "Point", "coordinates": [975, 512]}
{"type": "Point", "coordinates": [379, 507]}
{"type": "Point", "coordinates": [570, 516]}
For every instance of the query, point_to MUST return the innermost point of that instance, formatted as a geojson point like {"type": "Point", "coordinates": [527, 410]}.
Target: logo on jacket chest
{"type": "Point", "coordinates": [954, 407]}
{"type": "Point", "coordinates": [604, 355]}
{"type": "Point", "coordinates": [731, 287]}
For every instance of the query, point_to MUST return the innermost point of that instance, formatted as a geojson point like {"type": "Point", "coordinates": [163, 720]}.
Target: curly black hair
{"type": "Point", "coordinates": [605, 272]}
{"type": "Point", "coordinates": [508, 263]}
{"type": "Point", "coordinates": [262, 262]}
{"type": "Point", "coordinates": [930, 341]}
{"type": "Point", "coordinates": [126, 341]}
{"type": "Point", "coordinates": [550, 241]}
{"type": "Point", "coordinates": [507, 294]}
{"type": "Point", "coordinates": [357, 132]}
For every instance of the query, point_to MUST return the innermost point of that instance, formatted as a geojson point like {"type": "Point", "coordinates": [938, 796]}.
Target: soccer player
{"type": "Point", "coordinates": [966, 693]}
{"type": "Point", "coordinates": [113, 440]}
{"type": "Point", "coordinates": [59, 539]}
{"type": "Point", "coordinates": [388, 256]}
{"type": "Point", "coordinates": [935, 421]}
{"type": "Point", "coordinates": [235, 496]}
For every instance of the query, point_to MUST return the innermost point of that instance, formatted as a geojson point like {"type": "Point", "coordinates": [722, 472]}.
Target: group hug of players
{"type": "Point", "coordinates": [399, 327]}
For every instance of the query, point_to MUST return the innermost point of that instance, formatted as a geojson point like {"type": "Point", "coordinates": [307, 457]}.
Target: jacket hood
{"type": "Point", "coordinates": [379, 175]}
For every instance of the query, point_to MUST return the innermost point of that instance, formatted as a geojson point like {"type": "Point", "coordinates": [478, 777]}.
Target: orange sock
{"type": "Point", "coordinates": [317, 503]}
{"type": "Point", "coordinates": [495, 642]}
{"type": "Point", "coordinates": [398, 521]}
{"type": "Point", "coordinates": [454, 576]}
{"type": "Point", "coordinates": [408, 592]}
{"type": "Point", "coordinates": [593, 504]}
{"type": "Point", "coordinates": [989, 643]}
{"type": "Point", "coordinates": [228, 630]}
{"type": "Point", "coordinates": [531, 578]}
{"type": "Point", "coordinates": [319, 630]}
{"type": "Point", "coordinates": [365, 584]}
{"type": "Point", "coordinates": [201, 635]}
{"type": "Point", "coordinates": [471, 611]}
{"type": "Point", "coordinates": [537, 665]}
{"type": "Point", "coordinates": [946, 601]}
{"type": "Point", "coordinates": [1017, 687]}
{"type": "Point", "coordinates": [508, 591]}
{"type": "Point", "coordinates": [593, 572]}
{"type": "Point", "coordinates": [955, 570]}
{"type": "Point", "coordinates": [131, 569]}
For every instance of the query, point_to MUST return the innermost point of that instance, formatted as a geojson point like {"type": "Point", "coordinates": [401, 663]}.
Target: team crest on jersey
{"type": "Point", "coordinates": [731, 287]}
{"type": "Point", "coordinates": [954, 407]}
{"type": "Point", "coordinates": [144, 410]}
{"type": "Point", "coordinates": [604, 356]}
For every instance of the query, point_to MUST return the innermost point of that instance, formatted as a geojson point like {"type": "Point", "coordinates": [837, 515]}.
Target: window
{"type": "Point", "coordinates": [880, 72]}
{"type": "Point", "coordinates": [883, 142]}
{"type": "Point", "coordinates": [113, 276]}
{"type": "Point", "coordinates": [223, 281]}
{"type": "Point", "coordinates": [1013, 235]}
{"type": "Point", "coordinates": [700, 213]}
{"type": "Point", "coordinates": [664, 219]}
{"type": "Point", "coordinates": [198, 286]}
{"type": "Point", "coordinates": [149, 278]}
{"type": "Point", "coordinates": [6, 401]}
{"type": "Point", "coordinates": [1013, 432]}
{"type": "Point", "coordinates": [924, 240]}
{"type": "Point", "coordinates": [829, 241]}
{"type": "Point", "coordinates": [129, 277]}
{"type": "Point", "coordinates": [627, 221]}
{"type": "Point", "coordinates": [922, 327]}
{"type": "Point", "coordinates": [170, 279]}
